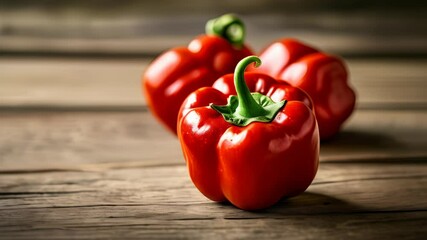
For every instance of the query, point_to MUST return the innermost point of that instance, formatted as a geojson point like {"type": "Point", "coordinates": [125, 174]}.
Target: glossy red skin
{"type": "Point", "coordinates": [254, 166]}
{"type": "Point", "coordinates": [322, 76]}
{"type": "Point", "coordinates": [171, 77]}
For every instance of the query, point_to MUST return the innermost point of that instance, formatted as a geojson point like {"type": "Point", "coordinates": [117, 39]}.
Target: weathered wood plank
{"type": "Point", "coordinates": [89, 161]}
{"type": "Point", "coordinates": [163, 185]}
{"type": "Point", "coordinates": [357, 200]}
{"type": "Point", "coordinates": [66, 82]}
{"type": "Point", "coordinates": [108, 175]}
{"type": "Point", "coordinates": [141, 28]}
{"type": "Point", "coordinates": [352, 226]}
{"type": "Point", "coordinates": [53, 140]}
{"type": "Point", "coordinates": [68, 141]}
{"type": "Point", "coordinates": [348, 45]}
{"type": "Point", "coordinates": [74, 83]}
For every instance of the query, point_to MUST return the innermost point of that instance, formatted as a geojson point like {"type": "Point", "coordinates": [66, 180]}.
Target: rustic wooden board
{"type": "Point", "coordinates": [349, 45]}
{"type": "Point", "coordinates": [56, 82]}
{"type": "Point", "coordinates": [357, 200]}
{"type": "Point", "coordinates": [97, 173]}
{"type": "Point", "coordinates": [74, 83]}
{"type": "Point", "coordinates": [81, 157]}
{"type": "Point", "coordinates": [141, 28]}
{"type": "Point", "coordinates": [69, 140]}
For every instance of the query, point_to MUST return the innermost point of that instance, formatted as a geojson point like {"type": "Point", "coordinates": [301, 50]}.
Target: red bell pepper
{"type": "Point", "coordinates": [322, 76]}
{"type": "Point", "coordinates": [176, 73]}
{"type": "Point", "coordinates": [255, 150]}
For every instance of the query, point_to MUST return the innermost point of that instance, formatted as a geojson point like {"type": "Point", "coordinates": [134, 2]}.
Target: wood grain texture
{"type": "Point", "coordinates": [113, 175]}
{"type": "Point", "coordinates": [357, 200]}
{"type": "Point", "coordinates": [81, 157]}
{"type": "Point", "coordinates": [96, 175]}
{"type": "Point", "coordinates": [78, 83]}
{"type": "Point", "coordinates": [56, 82]}
{"type": "Point", "coordinates": [136, 27]}
{"type": "Point", "coordinates": [72, 140]}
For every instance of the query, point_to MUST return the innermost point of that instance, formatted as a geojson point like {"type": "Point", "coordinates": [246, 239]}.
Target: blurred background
{"type": "Point", "coordinates": [145, 28]}
{"type": "Point", "coordinates": [53, 53]}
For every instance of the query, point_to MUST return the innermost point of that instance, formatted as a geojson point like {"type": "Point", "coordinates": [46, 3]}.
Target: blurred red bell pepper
{"type": "Point", "coordinates": [322, 76]}
{"type": "Point", "coordinates": [255, 150]}
{"type": "Point", "coordinates": [176, 73]}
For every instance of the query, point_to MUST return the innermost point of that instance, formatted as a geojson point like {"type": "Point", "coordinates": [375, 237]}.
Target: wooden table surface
{"type": "Point", "coordinates": [82, 157]}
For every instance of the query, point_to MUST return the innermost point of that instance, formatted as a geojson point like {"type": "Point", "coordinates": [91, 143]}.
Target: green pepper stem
{"type": "Point", "coordinates": [229, 27]}
{"type": "Point", "coordinates": [247, 107]}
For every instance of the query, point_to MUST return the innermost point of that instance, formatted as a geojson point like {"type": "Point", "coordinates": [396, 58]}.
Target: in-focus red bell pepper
{"type": "Point", "coordinates": [255, 150]}
{"type": "Point", "coordinates": [322, 76]}
{"type": "Point", "coordinates": [178, 72]}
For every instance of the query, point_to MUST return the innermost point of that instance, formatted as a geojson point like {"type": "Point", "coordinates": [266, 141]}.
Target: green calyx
{"type": "Point", "coordinates": [247, 107]}
{"type": "Point", "coordinates": [229, 27]}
